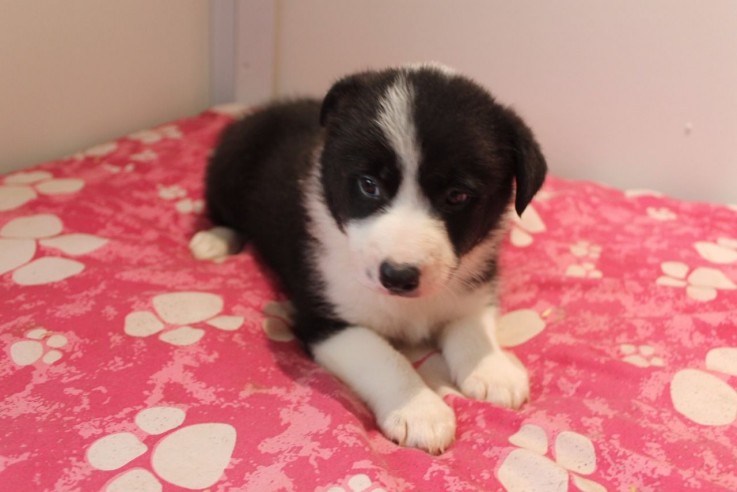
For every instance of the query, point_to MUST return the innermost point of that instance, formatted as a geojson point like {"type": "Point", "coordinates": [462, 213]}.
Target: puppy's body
{"type": "Point", "coordinates": [380, 210]}
{"type": "Point", "coordinates": [254, 185]}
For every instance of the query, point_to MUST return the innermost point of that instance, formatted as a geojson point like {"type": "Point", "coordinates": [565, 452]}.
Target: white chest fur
{"type": "Point", "coordinates": [407, 319]}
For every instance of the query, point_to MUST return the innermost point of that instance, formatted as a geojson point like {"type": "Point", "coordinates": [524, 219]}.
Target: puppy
{"type": "Point", "coordinates": [381, 210]}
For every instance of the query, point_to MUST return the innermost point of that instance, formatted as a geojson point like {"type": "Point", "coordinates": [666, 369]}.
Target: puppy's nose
{"type": "Point", "coordinates": [399, 278]}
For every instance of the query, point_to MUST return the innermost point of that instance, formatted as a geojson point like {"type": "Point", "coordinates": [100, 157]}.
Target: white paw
{"type": "Point", "coordinates": [213, 244]}
{"type": "Point", "coordinates": [424, 422]}
{"type": "Point", "coordinates": [498, 379]}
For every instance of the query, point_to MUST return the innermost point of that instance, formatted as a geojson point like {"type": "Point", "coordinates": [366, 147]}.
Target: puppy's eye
{"type": "Point", "coordinates": [457, 198]}
{"type": "Point", "coordinates": [369, 187]}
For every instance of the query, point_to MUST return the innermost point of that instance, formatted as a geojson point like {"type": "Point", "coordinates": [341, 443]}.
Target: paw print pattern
{"type": "Point", "coordinates": [128, 168]}
{"type": "Point", "coordinates": [701, 284]}
{"type": "Point", "coordinates": [40, 345]}
{"type": "Point", "coordinates": [278, 321]}
{"type": "Point", "coordinates": [20, 188]}
{"type": "Point", "coordinates": [642, 192]}
{"type": "Point", "coordinates": [723, 252]}
{"type": "Point", "coordinates": [662, 214]}
{"type": "Point", "coordinates": [640, 356]}
{"type": "Point", "coordinates": [528, 469]}
{"type": "Point", "coordinates": [587, 254]}
{"type": "Point", "coordinates": [525, 226]}
{"type": "Point", "coordinates": [146, 155]}
{"type": "Point", "coordinates": [517, 327]}
{"type": "Point", "coordinates": [192, 457]}
{"type": "Point", "coordinates": [181, 309]}
{"type": "Point", "coordinates": [171, 192]}
{"type": "Point", "coordinates": [98, 151]}
{"type": "Point", "coordinates": [703, 397]}
{"type": "Point", "coordinates": [236, 110]}
{"type": "Point", "coordinates": [354, 483]}
{"type": "Point", "coordinates": [157, 134]}
{"type": "Point", "coordinates": [184, 204]}
{"type": "Point", "coordinates": [19, 240]}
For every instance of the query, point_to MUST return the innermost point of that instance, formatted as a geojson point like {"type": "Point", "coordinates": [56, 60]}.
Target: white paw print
{"type": "Point", "coordinates": [528, 469]}
{"type": "Point", "coordinates": [181, 309]}
{"type": "Point", "coordinates": [157, 134]}
{"type": "Point", "coordinates": [587, 253]}
{"type": "Point", "coordinates": [98, 151]}
{"type": "Point", "coordinates": [189, 206]}
{"type": "Point", "coordinates": [701, 284]}
{"type": "Point", "coordinates": [517, 327]}
{"type": "Point", "coordinates": [128, 168]}
{"type": "Point", "coordinates": [235, 110]}
{"type": "Point", "coordinates": [278, 321]}
{"type": "Point", "coordinates": [524, 227]}
{"type": "Point", "coordinates": [184, 204]}
{"type": "Point", "coordinates": [171, 192]}
{"type": "Point", "coordinates": [353, 483]}
{"type": "Point", "coordinates": [640, 356]}
{"type": "Point", "coordinates": [544, 195]}
{"type": "Point", "coordinates": [641, 192]}
{"type": "Point", "coordinates": [703, 397]}
{"type": "Point", "coordinates": [661, 213]}
{"type": "Point", "coordinates": [40, 345]}
{"type": "Point", "coordinates": [192, 457]}
{"type": "Point", "coordinates": [585, 249]}
{"type": "Point", "coordinates": [723, 252]}
{"type": "Point", "coordinates": [20, 188]}
{"type": "Point", "coordinates": [146, 155]}
{"type": "Point", "coordinates": [19, 240]}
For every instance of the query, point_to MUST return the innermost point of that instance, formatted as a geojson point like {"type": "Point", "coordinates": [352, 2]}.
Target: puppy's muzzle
{"type": "Point", "coordinates": [400, 279]}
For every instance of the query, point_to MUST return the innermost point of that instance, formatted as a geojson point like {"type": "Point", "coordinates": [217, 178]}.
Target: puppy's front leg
{"type": "Point", "coordinates": [478, 365]}
{"type": "Point", "coordinates": [407, 411]}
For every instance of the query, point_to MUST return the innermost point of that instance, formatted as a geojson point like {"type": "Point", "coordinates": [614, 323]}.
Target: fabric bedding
{"type": "Point", "coordinates": [127, 365]}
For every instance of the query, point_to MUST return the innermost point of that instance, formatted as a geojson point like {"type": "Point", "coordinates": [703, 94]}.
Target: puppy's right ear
{"type": "Point", "coordinates": [342, 91]}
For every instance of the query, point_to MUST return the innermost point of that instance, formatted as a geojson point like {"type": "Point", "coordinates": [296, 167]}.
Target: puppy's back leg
{"type": "Point", "coordinates": [215, 243]}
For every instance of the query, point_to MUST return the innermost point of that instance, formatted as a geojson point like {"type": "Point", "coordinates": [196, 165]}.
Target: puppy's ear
{"type": "Point", "coordinates": [529, 163]}
{"type": "Point", "coordinates": [343, 90]}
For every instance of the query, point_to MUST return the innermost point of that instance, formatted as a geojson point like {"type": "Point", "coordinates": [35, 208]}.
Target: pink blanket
{"type": "Point", "coordinates": [127, 365]}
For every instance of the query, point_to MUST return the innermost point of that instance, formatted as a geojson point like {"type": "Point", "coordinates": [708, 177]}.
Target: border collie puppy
{"type": "Point", "coordinates": [381, 210]}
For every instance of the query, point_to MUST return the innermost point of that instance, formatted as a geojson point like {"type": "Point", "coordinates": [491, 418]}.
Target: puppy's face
{"type": "Point", "coordinates": [417, 169]}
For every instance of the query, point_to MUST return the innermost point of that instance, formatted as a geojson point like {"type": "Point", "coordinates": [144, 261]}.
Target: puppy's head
{"type": "Point", "coordinates": [418, 167]}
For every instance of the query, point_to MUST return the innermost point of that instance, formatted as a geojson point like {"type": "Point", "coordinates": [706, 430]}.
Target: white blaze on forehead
{"type": "Point", "coordinates": [432, 65]}
{"type": "Point", "coordinates": [396, 122]}
{"type": "Point", "coordinates": [406, 232]}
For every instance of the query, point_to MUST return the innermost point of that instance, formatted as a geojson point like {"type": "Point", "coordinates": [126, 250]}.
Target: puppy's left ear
{"type": "Point", "coordinates": [529, 163]}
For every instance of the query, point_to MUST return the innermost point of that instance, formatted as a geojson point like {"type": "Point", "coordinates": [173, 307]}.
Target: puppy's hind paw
{"type": "Point", "coordinates": [423, 422]}
{"type": "Point", "coordinates": [214, 244]}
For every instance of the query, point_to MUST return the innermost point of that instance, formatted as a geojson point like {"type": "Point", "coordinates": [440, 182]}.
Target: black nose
{"type": "Point", "coordinates": [399, 279]}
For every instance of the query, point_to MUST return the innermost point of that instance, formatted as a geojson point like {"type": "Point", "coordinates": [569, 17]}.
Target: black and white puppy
{"type": "Point", "coordinates": [381, 212]}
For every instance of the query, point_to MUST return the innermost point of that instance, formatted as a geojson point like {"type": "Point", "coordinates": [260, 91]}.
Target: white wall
{"type": "Point", "coordinates": [74, 73]}
{"type": "Point", "coordinates": [255, 45]}
{"type": "Point", "coordinates": [632, 93]}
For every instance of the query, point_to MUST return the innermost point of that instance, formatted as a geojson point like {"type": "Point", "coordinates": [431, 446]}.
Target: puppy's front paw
{"type": "Point", "coordinates": [497, 379]}
{"type": "Point", "coordinates": [424, 422]}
